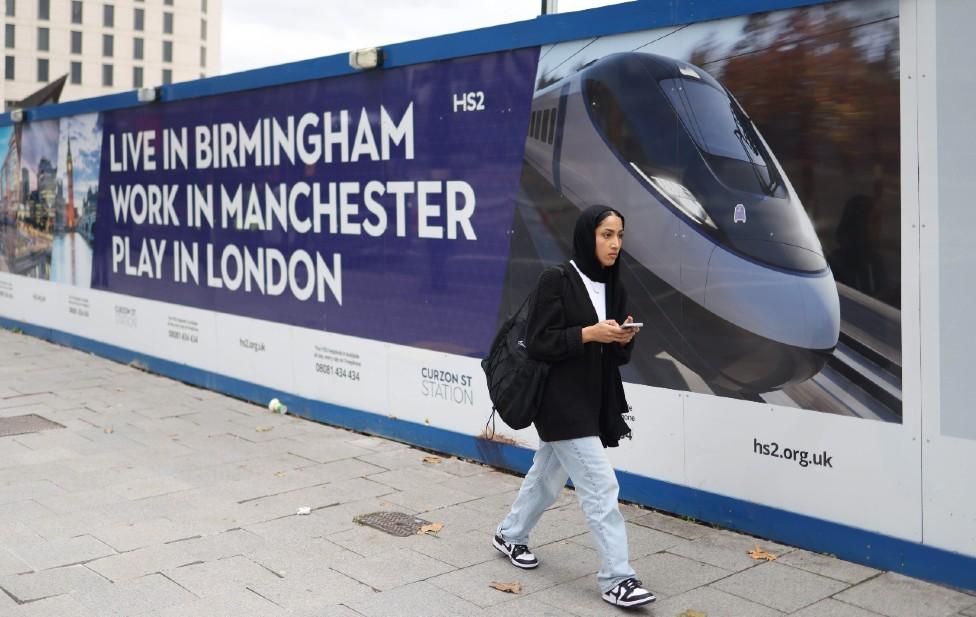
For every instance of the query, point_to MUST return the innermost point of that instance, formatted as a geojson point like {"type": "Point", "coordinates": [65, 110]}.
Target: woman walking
{"type": "Point", "coordinates": [575, 325]}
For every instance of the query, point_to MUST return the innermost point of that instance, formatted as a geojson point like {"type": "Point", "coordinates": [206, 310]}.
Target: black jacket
{"type": "Point", "coordinates": [577, 401]}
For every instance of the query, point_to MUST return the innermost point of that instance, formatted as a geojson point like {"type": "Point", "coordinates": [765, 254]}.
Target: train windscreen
{"type": "Point", "coordinates": [723, 133]}
{"type": "Point", "coordinates": [633, 125]}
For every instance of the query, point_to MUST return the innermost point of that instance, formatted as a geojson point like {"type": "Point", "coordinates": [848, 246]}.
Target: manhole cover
{"type": "Point", "coordinates": [393, 523]}
{"type": "Point", "coordinates": [30, 423]}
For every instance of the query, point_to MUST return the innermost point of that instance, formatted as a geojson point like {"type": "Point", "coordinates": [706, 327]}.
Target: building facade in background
{"type": "Point", "coordinates": [106, 46]}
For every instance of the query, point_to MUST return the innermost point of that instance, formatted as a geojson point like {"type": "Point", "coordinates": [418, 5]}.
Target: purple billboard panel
{"type": "Point", "coordinates": [375, 205]}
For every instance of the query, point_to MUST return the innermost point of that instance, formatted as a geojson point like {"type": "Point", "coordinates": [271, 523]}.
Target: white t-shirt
{"type": "Point", "coordinates": [597, 292]}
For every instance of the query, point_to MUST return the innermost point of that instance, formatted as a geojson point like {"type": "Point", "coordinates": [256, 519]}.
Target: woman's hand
{"type": "Point", "coordinates": [628, 332]}
{"type": "Point", "coordinates": [608, 331]}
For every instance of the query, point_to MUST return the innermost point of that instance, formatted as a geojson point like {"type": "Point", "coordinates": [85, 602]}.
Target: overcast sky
{"type": "Point", "coordinates": [260, 33]}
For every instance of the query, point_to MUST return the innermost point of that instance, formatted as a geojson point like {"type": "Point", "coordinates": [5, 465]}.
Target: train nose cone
{"type": "Point", "coordinates": [773, 327]}
{"type": "Point", "coordinates": [802, 310]}
{"type": "Point", "coordinates": [782, 254]}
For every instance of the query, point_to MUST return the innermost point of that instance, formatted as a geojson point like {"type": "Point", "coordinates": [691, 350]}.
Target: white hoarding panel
{"type": "Point", "coordinates": [439, 389]}
{"type": "Point", "coordinates": [947, 132]}
{"type": "Point", "coordinates": [338, 369]}
{"type": "Point", "coordinates": [820, 465]}
{"type": "Point", "coordinates": [12, 306]}
{"type": "Point", "coordinates": [656, 448]}
{"type": "Point", "coordinates": [255, 351]}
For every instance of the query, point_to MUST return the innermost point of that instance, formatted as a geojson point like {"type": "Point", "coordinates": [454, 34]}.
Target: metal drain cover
{"type": "Point", "coordinates": [393, 523]}
{"type": "Point", "coordinates": [30, 423]}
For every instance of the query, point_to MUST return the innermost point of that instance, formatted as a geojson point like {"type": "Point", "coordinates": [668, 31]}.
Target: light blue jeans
{"type": "Point", "coordinates": [584, 461]}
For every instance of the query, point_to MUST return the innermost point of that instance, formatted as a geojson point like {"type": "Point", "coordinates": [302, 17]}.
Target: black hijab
{"type": "Point", "coordinates": [584, 245]}
{"type": "Point", "coordinates": [612, 426]}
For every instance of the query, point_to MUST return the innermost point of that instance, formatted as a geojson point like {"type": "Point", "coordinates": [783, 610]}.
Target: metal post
{"type": "Point", "coordinates": [550, 6]}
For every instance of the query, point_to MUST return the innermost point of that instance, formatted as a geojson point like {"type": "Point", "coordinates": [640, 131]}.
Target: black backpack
{"type": "Point", "coordinates": [516, 381]}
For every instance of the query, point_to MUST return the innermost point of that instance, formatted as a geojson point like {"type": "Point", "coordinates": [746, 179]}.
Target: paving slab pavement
{"type": "Point", "coordinates": [160, 499]}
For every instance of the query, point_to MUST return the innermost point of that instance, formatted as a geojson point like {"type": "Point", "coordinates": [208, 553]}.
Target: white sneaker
{"type": "Point", "coordinates": [629, 593]}
{"type": "Point", "coordinates": [518, 554]}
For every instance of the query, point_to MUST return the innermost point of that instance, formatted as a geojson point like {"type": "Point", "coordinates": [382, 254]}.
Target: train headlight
{"type": "Point", "coordinates": [680, 197]}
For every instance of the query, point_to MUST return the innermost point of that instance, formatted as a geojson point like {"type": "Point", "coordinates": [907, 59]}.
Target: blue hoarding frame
{"type": "Point", "coordinates": [545, 29]}
{"type": "Point", "coordinates": [843, 541]}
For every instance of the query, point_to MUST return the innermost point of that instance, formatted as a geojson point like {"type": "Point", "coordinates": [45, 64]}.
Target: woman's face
{"type": "Point", "coordinates": [609, 240]}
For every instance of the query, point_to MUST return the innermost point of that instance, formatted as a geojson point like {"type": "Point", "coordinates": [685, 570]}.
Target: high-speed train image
{"type": "Point", "coordinates": [719, 256]}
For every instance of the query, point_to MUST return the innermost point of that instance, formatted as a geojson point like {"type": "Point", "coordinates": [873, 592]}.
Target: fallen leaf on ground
{"type": "Point", "coordinates": [507, 587]}
{"type": "Point", "coordinates": [431, 528]}
{"type": "Point", "coordinates": [279, 474]}
{"type": "Point", "coordinates": [109, 429]}
{"type": "Point", "coordinates": [691, 613]}
{"type": "Point", "coordinates": [264, 429]}
{"type": "Point", "coordinates": [432, 460]}
{"type": "Point", "coordinates": [758, 553]}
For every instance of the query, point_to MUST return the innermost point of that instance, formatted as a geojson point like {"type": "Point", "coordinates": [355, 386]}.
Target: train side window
{"type": "Point", "coordinates": [531, 123]}
{"type": "Point", "coordinates": [552, 125]}
{"type": "Point", "coordinates": [636, 119]}
{"type": "Point", "coordinates": [610, 117]}
{"type": "Point", "coordinates": [535, 125]}
{"type": "Point", "coordinates": [545, 124]}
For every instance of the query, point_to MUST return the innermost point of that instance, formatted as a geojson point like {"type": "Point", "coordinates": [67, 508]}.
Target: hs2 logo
{"type": "Point", "coordinates": [469, 101]}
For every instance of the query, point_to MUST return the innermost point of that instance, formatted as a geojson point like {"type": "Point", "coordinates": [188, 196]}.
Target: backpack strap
{"type": "Point", "coordinates": [491, 420]}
